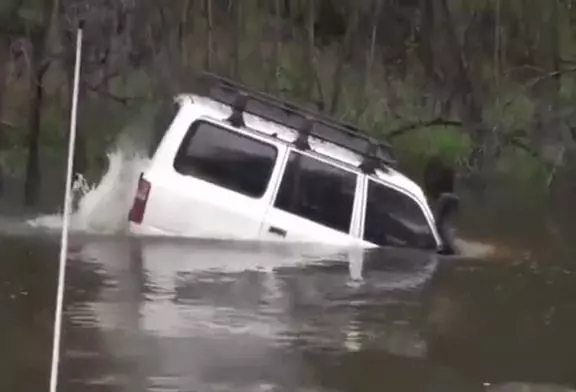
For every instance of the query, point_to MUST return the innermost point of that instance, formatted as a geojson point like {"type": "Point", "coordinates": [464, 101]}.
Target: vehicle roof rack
{"type": "Point", "coordinates": [377, 154]}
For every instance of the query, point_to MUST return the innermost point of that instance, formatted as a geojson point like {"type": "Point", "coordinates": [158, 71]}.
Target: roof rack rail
{"type": "Point", "coordinates": [308, 123]}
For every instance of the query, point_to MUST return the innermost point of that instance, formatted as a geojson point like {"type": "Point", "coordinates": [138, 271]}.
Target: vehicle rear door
{"type": "Point", "coordinates": [220, 184]}
{"type": "Point", "coordinates": [316, 201]}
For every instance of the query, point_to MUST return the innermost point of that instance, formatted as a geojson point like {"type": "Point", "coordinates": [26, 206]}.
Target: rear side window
{"type": "Point", "coordinates": [226, 158]}
{"type": "Point", "coordinates": [394, 219]}
{"type": "Point", "coordinates": [317, 191]}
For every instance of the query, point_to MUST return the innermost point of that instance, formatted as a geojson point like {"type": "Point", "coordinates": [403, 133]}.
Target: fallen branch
{"type": "Point", "coordinates": [422, 124]}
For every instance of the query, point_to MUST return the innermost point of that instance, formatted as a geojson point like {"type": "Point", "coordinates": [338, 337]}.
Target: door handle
{"type": "Point", "coordinates": [277, 231]}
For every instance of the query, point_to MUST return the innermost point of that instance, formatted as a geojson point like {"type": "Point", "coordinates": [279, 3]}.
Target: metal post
{"type": "Point", "coordinates": [66, 219]}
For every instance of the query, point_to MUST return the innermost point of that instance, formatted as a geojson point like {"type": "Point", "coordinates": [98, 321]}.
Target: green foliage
{"type": "Point", "coordinates": [530, 176]}
{"type": "Point", "coordinates": [290, 76]}
{"type": "Point", "coordinates": [451, 144]}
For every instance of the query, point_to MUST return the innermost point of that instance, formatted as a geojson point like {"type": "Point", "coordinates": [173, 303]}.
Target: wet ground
{"type": "Point", "coordinates": [160, 315]}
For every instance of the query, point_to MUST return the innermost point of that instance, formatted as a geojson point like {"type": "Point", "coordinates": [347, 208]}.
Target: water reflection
{"type": "Point", "coordinates": [167, 315]}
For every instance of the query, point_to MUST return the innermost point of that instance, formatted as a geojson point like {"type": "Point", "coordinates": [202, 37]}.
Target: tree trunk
{"type": "Point", "coordinates": [497, 45]}
{"type": "Point", "coordinates": [275, 58]}
{"type": "Point", "coordinates": [425, 48]}
{"type": "Point", "coordinates": [32, 183]}
{"type": "Point", "coordinates": [4, 57]}
{"type": "Point", "coordinates": [209, 36]}
{"type": "Point", "coordinates": [40, 39]}
{"type": "Point", "coordinates": [550, 135]}
{"type": "Point", "coordinates": [237, 9]}
{"type": "Point", "coordinates": [183, 31]}
{"type": "Point", "coordinates": [461, 85]}
{"type": "Point", "coordinates": [287, 9]}
{"type": "Point", "coordinates": [310, 49]}
{"type": "Point", "coordinates": [372, 49]}
{"type": "Point", "coordinates": [344, 54]}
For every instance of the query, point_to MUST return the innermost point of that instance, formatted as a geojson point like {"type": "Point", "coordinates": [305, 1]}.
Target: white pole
{"type": "Point", "coordinates": [65, 220]}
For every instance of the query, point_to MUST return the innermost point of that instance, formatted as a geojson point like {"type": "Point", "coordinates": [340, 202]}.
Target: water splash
{"type": "Point", "coordinates": [102, 207]}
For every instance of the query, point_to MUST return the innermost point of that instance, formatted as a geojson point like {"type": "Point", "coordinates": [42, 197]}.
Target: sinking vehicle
{"type": "Point", "coordinates": [239, 164]}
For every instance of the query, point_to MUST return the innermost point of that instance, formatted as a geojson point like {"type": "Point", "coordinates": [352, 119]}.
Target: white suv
{"type": "Point", "coordinates": [239, 164]}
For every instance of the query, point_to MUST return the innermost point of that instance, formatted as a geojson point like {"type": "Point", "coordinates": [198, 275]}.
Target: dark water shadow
{"type": "Point", "coordinates": [504, 321]}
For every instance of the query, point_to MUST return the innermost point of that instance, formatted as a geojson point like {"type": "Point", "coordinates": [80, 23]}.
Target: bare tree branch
{"type": "Point", "coordinates": [525, 67]}
{"type": "Point", "coordinates": [422, 124]}
{"type": "Point", "coordinates": [550, 75]}
{"type": "Point", "coordinates": [524, 147]}
{"type": "Point", "coordinates": [538, 80]}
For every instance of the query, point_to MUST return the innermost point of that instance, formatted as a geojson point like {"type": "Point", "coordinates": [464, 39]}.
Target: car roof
{"type": "Point", "coordinates": [210, 108]}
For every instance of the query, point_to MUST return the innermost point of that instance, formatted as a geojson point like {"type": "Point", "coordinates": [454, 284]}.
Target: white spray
{"type": "Point", "coordinates": [102, 207]}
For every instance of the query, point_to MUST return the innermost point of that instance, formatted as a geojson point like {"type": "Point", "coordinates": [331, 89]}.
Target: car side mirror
{"type": "Point", "coordinates": [446, 206]}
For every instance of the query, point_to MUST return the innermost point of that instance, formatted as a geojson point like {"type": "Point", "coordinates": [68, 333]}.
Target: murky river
{"type": "Point", "coordinates": [163, 315]}
{"type": "Point", "coordinates": [175, 315]}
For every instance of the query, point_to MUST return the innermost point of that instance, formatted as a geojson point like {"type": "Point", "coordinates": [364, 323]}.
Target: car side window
{"type": "Point", "coordinates": [395, 219]}
{"type": "Point", "coordinates": [226, 158]}
{"type": "Point", "coordinates": [318, 191]}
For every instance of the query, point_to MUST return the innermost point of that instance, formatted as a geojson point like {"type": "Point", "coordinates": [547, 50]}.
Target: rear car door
{"type": "Point", "coordinates": [315, 202]}
{"type": "Point", "coordinates": [219, 186]}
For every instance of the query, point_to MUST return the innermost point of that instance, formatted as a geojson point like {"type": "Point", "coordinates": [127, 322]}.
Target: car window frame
{"type": "Point", "coordinates": [245, 133]}
{"type": "Point", "coordinates": [353, 228]}
{"type": "Point", "coordinates": [423, 210]}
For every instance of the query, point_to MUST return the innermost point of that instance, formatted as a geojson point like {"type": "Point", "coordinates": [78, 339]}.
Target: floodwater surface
{"type": "Point", "coordinates": [150, 314]}
{"type": "Point", "coordinates": [163, 315]}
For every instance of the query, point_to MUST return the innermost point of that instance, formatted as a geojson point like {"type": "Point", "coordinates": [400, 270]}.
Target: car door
{"type": "Point", "coordinates": [221, 184]}
{"type": "Point", "coordinates": [316, 201]}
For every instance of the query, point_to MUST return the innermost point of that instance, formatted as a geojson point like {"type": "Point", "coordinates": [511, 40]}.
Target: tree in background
{"type": "Point", "coordinates": [486, 84]}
